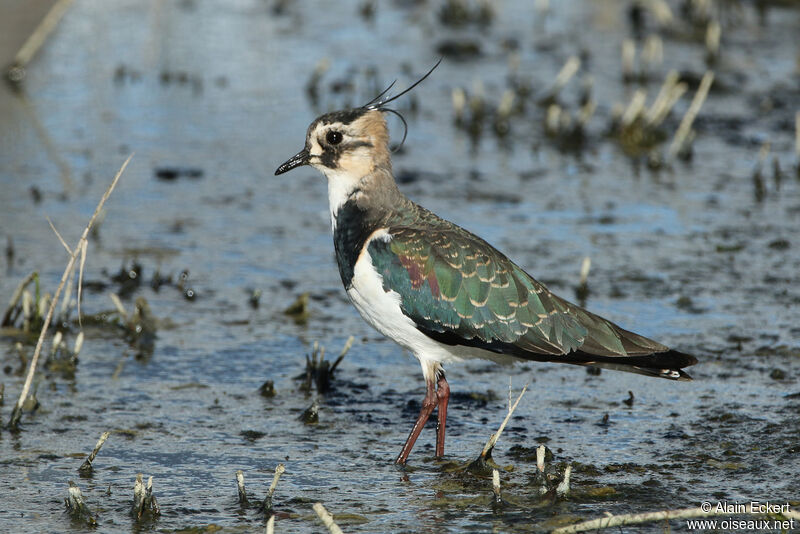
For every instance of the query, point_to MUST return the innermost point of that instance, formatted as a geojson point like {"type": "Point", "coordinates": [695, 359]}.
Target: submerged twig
{"type": "Point", "coordinates": [76, 506]}
{"type": "Point", "coordinates": [298, 310]}
{"type": "Point", "coordinates": [319, 371]}
{"type": "Point", "coordinates": [144, 502]}
{"type": "Point", "coordinates": [240, 486]}
{"type": "Point", "coordinates": [279, 470]}
{"type": "Point", "coordinates": [496, 484]}
{"type": "Point", "coordinates": [541, 481]}
{"type": "Point", "coordinates": [311, 414]}
{"type": "Point", "coordinates": [16, 414]}
{"type": "Point", "coordinates": [549, 480]}
{"type": "Point", "coordinates": [562, 490]}
{"type": "Point", "coordinates": [86, 466]}
{"type": "Point", "coordinates": [267, 505]}
{"type": "Point", "coordinates": [327, 519]}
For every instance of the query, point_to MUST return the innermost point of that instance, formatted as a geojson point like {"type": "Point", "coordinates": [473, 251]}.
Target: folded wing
{"type": "Point", "coordinates": [460, 290]}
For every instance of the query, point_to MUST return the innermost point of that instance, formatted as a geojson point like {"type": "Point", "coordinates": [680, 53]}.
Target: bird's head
{"type": "Point", "coordinates": [352, 142]}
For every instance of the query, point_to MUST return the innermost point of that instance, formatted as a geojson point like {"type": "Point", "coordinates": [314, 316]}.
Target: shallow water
{"type": "Point", "coordinates": [687, 255]}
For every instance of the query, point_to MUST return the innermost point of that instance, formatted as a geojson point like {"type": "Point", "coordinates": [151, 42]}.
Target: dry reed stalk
{"type": "Point", "coordinates": [266, 506]}
{"type": "Point", "coordinates": [240, 486]}
{"type": "Point", "coordinates": [119, 306]}
{"type": "Point", "coordinates": [648, 517]}
{"type": "Point", "coordinates": [652, 54]}
{"type": "Point", "coordinates": [345, 350]}
{"type": "Point", "coordinates": [278, 472]}
{"type": "Point", "coordinates": [563, 488]}
{"type": "Point", "coordinates": [552, 119]}
{"type": "Point", "coordinates": [459, 100]}
{"type": "Point", "coordinates": [635, 108]}
{"type": "Point", "coordinates": [713, 34]}
{"type": "Point", "coordinates": [76, 506]}
{"type": "Point", "coordinates": [685, 126]}
{"type": "Point", "coordinates": [797, 138]}
{"type": "Point", "coordinates": [144, 502]}
{"type": "Point", "coordinates": [327, 519]}
{"type": "Point", "coordinates": [666, 98]}
{"type": "Point", "coordinates": [661, 10]}
{"type": "Point", "coordinates": [487, 449]}
{"type": "Point", "coordinates": [586, 111]}
{"type": "Point", "coordinates": [628, 58]}
{"type": "Point", "coordinates": [86, 466]}
{"type": "Point", "coordinates": [565, 74]}
{"type": "Point", "coordinates": [15, 297]}
{"type": "Point", "coordinates": [506, 105]}
{"type": "Point", "coordinates": [540, 454]}
{"type": "Point", "coordinates": [80, 249]}
{"type": "Point", "coordinates": [16, 72]}
{"type": "Point", "coordinates": [586, 265]}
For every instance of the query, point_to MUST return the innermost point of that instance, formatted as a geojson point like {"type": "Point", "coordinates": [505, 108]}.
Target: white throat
{"type": "Point", "coordinates": [340, 188]}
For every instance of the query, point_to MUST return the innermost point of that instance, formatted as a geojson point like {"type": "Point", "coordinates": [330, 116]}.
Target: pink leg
{"type": "Point", "coordinates": [443, 395]}
{"type": "Point", "coordinates": [428, 404]}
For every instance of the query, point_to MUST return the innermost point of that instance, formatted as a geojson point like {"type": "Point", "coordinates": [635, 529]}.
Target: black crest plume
{"type": "Point", "coordinates": [379, 103]}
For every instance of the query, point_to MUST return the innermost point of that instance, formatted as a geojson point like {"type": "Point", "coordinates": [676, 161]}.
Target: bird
{"type": "Point", "coordinates": [438, 290]}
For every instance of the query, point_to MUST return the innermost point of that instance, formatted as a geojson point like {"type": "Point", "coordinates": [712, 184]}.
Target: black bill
{"type": "Point", "coordinates": [301, 158]}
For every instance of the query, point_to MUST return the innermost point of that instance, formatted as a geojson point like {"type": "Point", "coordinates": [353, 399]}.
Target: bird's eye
{"type": "Point", "coordinates": [333, 137]}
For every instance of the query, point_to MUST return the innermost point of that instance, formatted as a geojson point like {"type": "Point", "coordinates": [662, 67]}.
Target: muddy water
{"type": "Point", "coordinates": [694, 254]}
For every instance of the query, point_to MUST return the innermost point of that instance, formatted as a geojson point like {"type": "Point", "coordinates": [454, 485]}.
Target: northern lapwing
{"type": "Point", "coordinates": [440, 291]}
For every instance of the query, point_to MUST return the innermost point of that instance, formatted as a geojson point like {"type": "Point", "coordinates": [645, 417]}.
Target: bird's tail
{"type": "Point", "coordinates": [667, 364]}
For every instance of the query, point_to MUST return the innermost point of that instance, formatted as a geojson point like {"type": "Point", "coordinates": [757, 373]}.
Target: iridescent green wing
{"type": "Point", "coordinates": [453, 284]}
{"type": "Point", "coordinates": [461, 290]}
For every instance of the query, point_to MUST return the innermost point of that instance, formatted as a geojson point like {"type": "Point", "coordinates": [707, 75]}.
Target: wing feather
{"type": "Point", "coordinates": [461, 290]}
{"type": "Point", "coordinates": [451, 281]}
